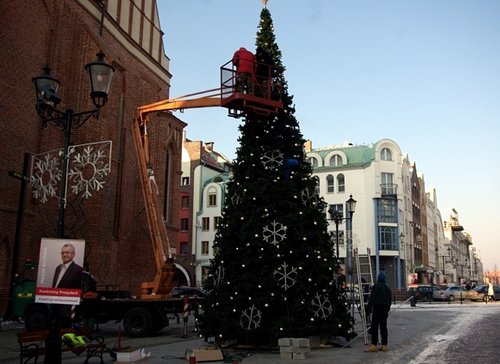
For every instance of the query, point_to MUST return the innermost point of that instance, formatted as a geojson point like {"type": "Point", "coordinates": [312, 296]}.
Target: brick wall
{"type": "Point", "coordinates": [64, 36]}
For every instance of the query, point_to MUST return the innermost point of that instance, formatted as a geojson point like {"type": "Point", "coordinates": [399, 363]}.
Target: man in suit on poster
{"type": "Point", "coordinates": [68, 274]}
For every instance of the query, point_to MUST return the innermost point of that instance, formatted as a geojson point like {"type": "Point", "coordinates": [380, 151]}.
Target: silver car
{"type": "Point", "coordinates": [455, 293]}
{"type": "Point", "coordinates": [438, 294]}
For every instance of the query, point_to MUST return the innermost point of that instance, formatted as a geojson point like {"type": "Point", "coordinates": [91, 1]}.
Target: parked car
{"type": "Point", "coordinates": [438, 294]}
{"type": "Point", "coordinates": [422, 292]}
{"type": "Point", "coordinates": [479, 293]}
{"type": "Point", "coordinates": [189, 291]}
{"type": "Point", "coordinates": [455, 293]}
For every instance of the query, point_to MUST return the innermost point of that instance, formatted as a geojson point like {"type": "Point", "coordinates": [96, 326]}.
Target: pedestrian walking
{"type": "Point", "coordinates": [491, 293]}
{"type": "Point", "coordinates": [379, 305]}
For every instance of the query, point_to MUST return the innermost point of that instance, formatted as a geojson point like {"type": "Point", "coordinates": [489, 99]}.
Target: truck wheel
{"type": "Point", "coordinates": [137, 322]}
{"type": "Point", "coordinates": [37, 318]}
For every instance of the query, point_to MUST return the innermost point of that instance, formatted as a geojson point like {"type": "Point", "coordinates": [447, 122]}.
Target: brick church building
{"type": "Point", "coordinates": [65, 35]}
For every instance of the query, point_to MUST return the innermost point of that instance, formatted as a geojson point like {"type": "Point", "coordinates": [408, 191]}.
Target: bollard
{"type": "Point", "coordinates": [185, 315]}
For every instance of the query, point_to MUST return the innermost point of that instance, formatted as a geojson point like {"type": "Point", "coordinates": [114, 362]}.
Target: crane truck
{"type": "Point", "coordinates": [148, 313]}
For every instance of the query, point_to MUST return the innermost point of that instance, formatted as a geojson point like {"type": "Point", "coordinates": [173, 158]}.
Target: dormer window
{"type": "Point", "coordinates": [313, 161]}
{"type": "Point", "coordinates": [386, 154]}
{"type": "Point", "coordinates": [336, 161]}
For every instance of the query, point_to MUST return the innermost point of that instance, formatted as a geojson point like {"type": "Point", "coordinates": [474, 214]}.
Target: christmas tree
{"type": "Point", "coordinates": [274, 271]}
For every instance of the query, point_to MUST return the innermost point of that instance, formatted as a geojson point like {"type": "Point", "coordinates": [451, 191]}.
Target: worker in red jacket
{"type": "Point", "coordinates": [244, 61]}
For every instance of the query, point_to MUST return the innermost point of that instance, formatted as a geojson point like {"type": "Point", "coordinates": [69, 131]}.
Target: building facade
{"type": "Point", "coordinates": [204, 174]}
{"type": "Point", "coordinates": [395, 219]}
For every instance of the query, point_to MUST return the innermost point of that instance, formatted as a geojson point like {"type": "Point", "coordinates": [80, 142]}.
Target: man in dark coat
{"type": "Point", "coordinates": [68, 274]}
{"type": "Point", "coordinates": [379, 304]}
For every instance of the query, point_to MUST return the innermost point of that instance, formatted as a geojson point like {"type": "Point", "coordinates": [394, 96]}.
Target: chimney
{"type": "Point", "coordinates": [308, 146]}
{"type": "Point", "coordinates": [209, 146]}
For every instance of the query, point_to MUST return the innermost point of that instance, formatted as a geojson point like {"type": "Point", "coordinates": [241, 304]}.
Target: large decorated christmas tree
{"type": "Point", "coordinates": [274, 271]}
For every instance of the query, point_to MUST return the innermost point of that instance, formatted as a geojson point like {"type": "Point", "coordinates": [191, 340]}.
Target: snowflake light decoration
{"type": "Point", "coordinates": [45, 176]}
{"type": "Point", "coordinates": [219, 275]}
{"type": "Point", "coordinates": [274, 233]}
{"type": "Point", "coordinates": [285, 275]}
{"type": "Point", "coordinates": [307, 195]}
{"type": "Point", "coordinates": [91, 159]}
{"type": "Point", "coordinates": [321, 306]}
{"type": "Point", "coordinates": [238, 196]}
{"type": "Point", "coordinates": [272, 159]}
{"type": "Point", "coordinates": [250, 318]}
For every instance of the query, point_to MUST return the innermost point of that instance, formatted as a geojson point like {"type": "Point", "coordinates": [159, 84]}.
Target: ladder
{"type": "Point", "coordinates": [365, 283]}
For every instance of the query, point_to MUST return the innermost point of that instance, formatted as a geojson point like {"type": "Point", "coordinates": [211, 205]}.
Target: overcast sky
{"type": "Point", "coordinates": [425, 74]}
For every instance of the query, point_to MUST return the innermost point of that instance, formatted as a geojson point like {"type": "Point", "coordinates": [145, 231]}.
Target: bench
{"type": "Point", "coordinates": [32, 345]}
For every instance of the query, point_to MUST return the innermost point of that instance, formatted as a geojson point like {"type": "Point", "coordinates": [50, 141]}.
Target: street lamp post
{"type": "Point", "coordinates": [337, 217]}
{"type": "Point", "coordinates": [47, 99]}
{"type": "Point", "coordinates": [350, 207]}
{"type": "Point", "coordinates": [444, 270]}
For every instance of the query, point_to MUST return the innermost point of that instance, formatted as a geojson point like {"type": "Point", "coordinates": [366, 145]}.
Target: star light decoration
{"type": "Point", "coordinates": [250, 318]}
{"type": "Point", "coordinates": [274, 233]}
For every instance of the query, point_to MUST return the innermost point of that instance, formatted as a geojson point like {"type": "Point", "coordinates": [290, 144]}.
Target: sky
{"type": "Point", "coordinates": [425, 74]}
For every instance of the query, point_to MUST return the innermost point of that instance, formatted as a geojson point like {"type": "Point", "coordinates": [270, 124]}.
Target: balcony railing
{"type": "Point", "coordinates": [389, 189]}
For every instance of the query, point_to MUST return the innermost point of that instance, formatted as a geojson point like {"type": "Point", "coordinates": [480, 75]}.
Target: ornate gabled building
{"type": "Point", "coordinates": [204, 173]}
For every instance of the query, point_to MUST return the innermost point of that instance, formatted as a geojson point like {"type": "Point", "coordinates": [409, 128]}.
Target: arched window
{"type": "Point", "coordinates": [212, 197]}
{"type": "Point", "coordinates": [386, 154]}
{"type": "Point", "coordinates": [340, 183]}
{"type": "Point", "coordinates": [330, 184]}
{"type": "Point", "coordinates": [336, 161]}
{"type": "Point", "coordinates": [313, 161]}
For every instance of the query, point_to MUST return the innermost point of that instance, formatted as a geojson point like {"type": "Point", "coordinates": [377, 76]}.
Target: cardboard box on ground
{"type": "Point", "coordinates": [204, 355]}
